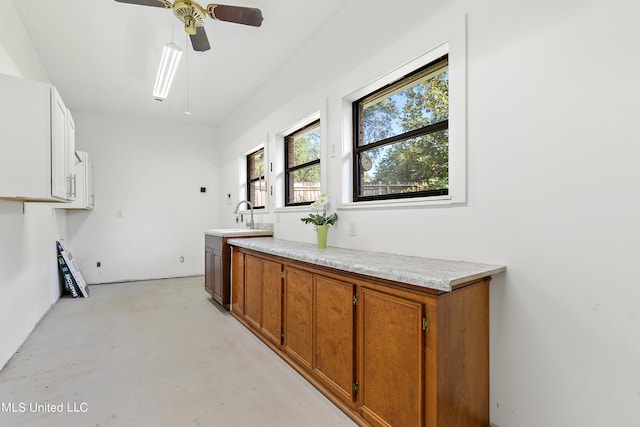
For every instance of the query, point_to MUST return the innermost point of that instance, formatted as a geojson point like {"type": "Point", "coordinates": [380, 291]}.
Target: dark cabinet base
{"type": "Point", "coordinates": [217, 270]}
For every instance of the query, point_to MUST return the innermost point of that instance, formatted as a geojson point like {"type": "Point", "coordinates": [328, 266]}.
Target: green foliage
{"type": "Point", "coordinates": [317, 219]}
{"type": "Point", "coordinates": [424, 160]}
{"type": "Point", "coordinates": [306, 149]}
{"type": "Point", "coordinates": [421, 160]}
{"type": "Point", "coordinates": [320, 217]}
{"type": "Point", "coordinates": [376, 120]}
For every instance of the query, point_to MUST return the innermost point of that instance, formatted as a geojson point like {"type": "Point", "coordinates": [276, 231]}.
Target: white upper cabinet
{"type": "Point", "coordinates": [37, 138]}
{"type": "Point", "coordinates": [70, 160]}
{"type": "Point", "coordinates": [83, 183]}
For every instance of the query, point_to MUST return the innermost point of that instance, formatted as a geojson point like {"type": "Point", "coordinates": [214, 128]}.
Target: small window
{"type": "Point", "coordinates": [302, 160]}
{"type": "Point", "coordinates": [256, 185]}
{"type": "Point", "coordinates": [401, 137]}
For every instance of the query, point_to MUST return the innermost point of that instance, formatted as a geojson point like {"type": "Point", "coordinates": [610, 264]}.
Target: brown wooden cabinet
{"type": "Point", "coordinates": [261, 294]}
{"type": "Point", "coordinates": [237, 283]}
{"type": "Point", "coordinates": [318, 328]}
{"type": "Point", "coordinates": [386, 353]}
{"type": "Point", "coordinates": [208, 268]}
{"type": "Point", "coordinates": [253, 290]}
{"type": "Point", "coordinates": [272, 300]}
{"type": "Point", "coordinates": [333, 336]}
{"type": "Point", "coordinates": [391, 368]}
{"type": "Point", "coordinates": [217, 264]}
{"type": "Point", "coordinates": [298, 316]}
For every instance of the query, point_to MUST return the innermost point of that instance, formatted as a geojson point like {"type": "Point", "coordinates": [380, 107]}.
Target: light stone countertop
{"type": "Point", "coordinates": [237, 232]}
{"type": "Point", "coordinates": [437, 274]}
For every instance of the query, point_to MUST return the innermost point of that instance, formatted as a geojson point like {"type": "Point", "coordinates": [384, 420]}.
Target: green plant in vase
{"type": "Point", "coordinates": [320, 219]}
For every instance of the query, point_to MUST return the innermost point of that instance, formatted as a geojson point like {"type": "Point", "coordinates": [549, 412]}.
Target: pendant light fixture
{"type": "Point", "coordinates": [171, 55]}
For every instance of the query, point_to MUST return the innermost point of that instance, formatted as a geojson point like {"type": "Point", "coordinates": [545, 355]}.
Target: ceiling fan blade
{"type": "Point", "coordinates": [199, 40]}
{"type": "Point", "coordinates": [236, 14]}
{"type": "Point", "coordinates": [156, 3]}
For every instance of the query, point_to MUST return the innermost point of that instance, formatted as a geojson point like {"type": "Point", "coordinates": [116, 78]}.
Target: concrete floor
{"type": "Point", "coordinates": [153, 353]}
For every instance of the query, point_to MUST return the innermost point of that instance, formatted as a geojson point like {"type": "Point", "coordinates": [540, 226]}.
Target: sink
{"type": "Point", "coordinates": [231, 232]}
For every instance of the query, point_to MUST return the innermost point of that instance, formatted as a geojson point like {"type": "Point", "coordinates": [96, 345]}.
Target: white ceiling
{"type": "Point", "coordinates": [103, 55]}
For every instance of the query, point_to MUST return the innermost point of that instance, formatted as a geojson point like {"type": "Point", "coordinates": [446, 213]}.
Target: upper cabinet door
{"type": "Point", "coordinates": [82, 183]}
{"type": "Point", "coordinates": [91, 198]}
{"type": "Point", "coordinates": [70, 163]}
{"type": "Point", "coordinates": [60, 180]}
{"type": "Point", "coordinates": [34, 125]}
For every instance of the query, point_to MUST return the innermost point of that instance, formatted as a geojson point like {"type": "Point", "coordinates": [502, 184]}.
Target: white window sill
{"type": "Point", "coordinates": [303, 208]}
{"type": "Point", "coordinates": [438, 201]}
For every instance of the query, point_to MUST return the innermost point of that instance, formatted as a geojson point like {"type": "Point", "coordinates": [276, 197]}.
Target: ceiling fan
{"type": "Point", "coordinates": [193, 16]}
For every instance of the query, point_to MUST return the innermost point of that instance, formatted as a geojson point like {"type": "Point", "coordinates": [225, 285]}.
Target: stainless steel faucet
{"type": "Point", "coordinates": [250, 225]}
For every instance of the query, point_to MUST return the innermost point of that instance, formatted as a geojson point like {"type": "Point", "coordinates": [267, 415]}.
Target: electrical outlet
{"type": "Point", "coordinates": [181, 259]}
{"type": "Point", "coordinates": [353, 228]}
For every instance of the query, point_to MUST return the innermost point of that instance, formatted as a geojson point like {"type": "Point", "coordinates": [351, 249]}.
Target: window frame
{"type": "Point", "coordinates": [257, 179]}
{"type": "Point", "coordinates": [288, 170]}
{"type": "Point", "coordinates": [357, 149]}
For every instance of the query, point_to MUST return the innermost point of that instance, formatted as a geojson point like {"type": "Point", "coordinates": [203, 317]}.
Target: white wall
{"type": "Point", "coordinates": [150, 172]}
{"type": "Point", "coordinates": [28, 232]}
{"type": "Point", "coordinates": [149, 210]}
{"type": "Point", "coordinates": [552, 189]}
{"type": "Point", "coordinates": [18, 56]}
{"type": "Point", "coordinates": [552, 174]}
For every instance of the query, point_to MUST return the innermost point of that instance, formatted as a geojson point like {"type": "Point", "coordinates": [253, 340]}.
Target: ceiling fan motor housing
{"type": "Point", "coordinates": [191, 13]}
{"type": "Point", "coordinates": [194, 15]}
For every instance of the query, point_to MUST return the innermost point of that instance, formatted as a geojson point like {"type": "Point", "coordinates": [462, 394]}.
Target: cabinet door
{"type": "Point", "coordinates": [79, 182]}
{"type": "Point", "coordinates": [253, 290]}
{"type": "Point", "coordinates": [272, 300]}
{"type": "Point", "coordinates": [217, 276]}
{"type": "Point", "coordinates": [91, 198]}
{"type": "Point", "coordinates": [298, 312]}
{"type": "Point", "coordinates": [237, 283]}
{"type": "Point", "coordinates": [70, 151]}
{"type": "Point", "coordinates": [391, 372]}
{"type": "Point", "coordinates": [59, 160]}
{"type": "Point", "coordinates": [82, 183]}
{"type": "Point", "coordinates": [333, 358]}
{"type": "Point", "coordinates": [208, 270]}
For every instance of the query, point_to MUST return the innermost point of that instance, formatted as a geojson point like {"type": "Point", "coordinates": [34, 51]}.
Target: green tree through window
{"type": "Point", "coordinates": [302, 160]}
{"type": "Point", "coordinates": [402, 137]}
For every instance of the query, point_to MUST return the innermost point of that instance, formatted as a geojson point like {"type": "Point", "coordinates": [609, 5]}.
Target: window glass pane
{"type": "Point", "coordinates": [304, 147]}
{"type": "Point", "coordinates": [410, 165]}
{"type": "Point", "coordinates": [258, 193]}
{"type": "Point", "coordinates": [256, 164]}
{"type": "Point", "coordinates": [405, 107]}
{"type": "Point", "coordinates": [304, 184]}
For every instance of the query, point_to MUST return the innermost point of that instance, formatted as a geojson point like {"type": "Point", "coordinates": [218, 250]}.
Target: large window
{"type": "Point", "coordinates": [256, 185]}
{"type": "Point", "coordinates": [302, 160]}
{"type": "Point", "coordinates": [401, 137]}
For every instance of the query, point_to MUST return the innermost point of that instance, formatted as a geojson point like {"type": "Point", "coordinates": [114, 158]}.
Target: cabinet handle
{"type": "Point", "coordinates": [70, 187]}
{"type": "Point", "coordinates": [75, 185]}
